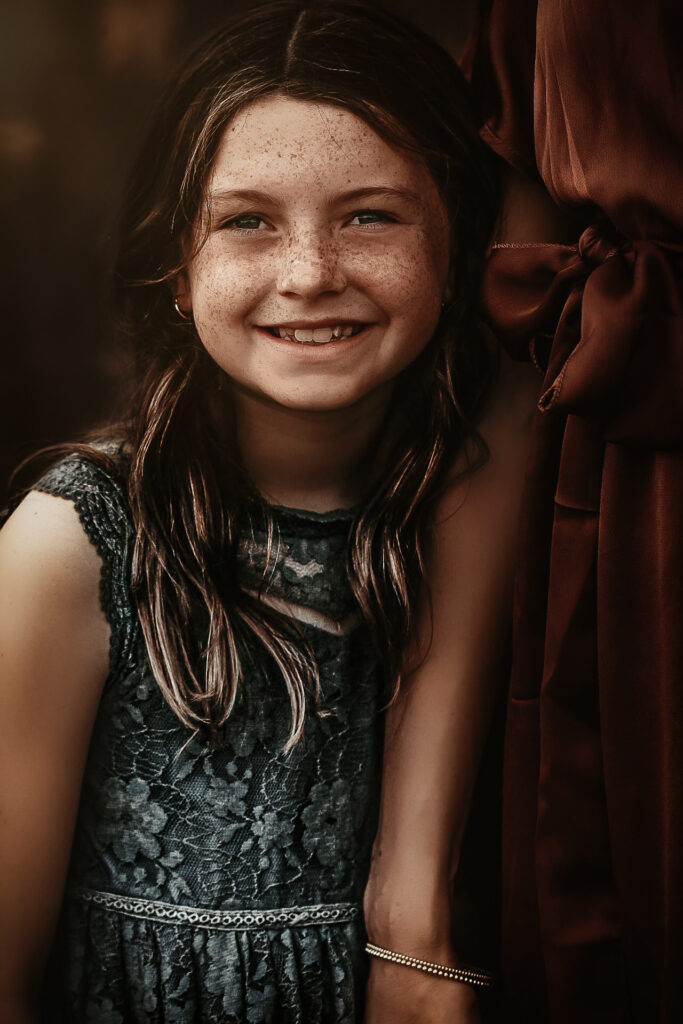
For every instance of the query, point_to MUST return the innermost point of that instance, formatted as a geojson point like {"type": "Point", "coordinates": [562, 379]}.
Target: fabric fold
{"type": "Point", "coordinates": [139, 971]}
{"type": "Point", "coordinates": [586, 98]}
{"type": "Point", "coordinates": [615, 313]}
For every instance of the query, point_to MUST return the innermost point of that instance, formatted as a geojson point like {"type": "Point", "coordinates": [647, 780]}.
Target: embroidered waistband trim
{"type": "Point", "coordinates": [222, 920]}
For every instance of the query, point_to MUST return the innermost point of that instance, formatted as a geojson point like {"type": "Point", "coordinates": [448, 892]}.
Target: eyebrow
{"type": "Point", "coordinates": [249, 195]}
{"type": "Point", "coordinates": [369, 192]}
{"type": "Point", "coordinates": [381, 192]}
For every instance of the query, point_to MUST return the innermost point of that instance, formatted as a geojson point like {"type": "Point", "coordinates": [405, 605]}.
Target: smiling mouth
{"type": "Point", "coordinates": [317, 335]}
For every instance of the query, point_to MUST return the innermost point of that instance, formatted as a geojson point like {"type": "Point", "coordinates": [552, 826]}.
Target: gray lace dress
{"type": "Point", "coordinates": [222, 885]}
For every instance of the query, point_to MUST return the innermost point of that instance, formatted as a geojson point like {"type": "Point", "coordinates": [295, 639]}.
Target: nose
{"type": "Point", "coordinates": [310, 265]}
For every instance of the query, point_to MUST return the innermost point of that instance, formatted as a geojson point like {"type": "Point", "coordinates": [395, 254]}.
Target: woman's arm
{"type": "Point", "coordinates": [54, 643]}
{"type": "Point", "coordinates": [436, 730]}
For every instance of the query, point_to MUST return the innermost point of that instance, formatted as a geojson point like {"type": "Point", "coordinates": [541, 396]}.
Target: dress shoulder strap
{"type": "Point", "coordinates": [103, 511]}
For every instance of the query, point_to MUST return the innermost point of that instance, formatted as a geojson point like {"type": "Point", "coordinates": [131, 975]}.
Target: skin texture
{"type": "Point", "coordinates": [299, 248]}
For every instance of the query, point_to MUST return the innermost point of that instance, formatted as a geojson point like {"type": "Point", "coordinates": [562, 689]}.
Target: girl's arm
{"type": "Point", "coordinates": [436, 730]}
{"type": "Point", "coordinates": [54, 643]}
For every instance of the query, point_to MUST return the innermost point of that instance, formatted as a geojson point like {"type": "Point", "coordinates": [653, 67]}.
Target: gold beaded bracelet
{"type": "Point", "coordinates": [468, 975]}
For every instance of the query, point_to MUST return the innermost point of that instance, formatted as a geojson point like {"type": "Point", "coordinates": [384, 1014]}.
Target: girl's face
{"type": "Point", "coordinates": [325, 264]}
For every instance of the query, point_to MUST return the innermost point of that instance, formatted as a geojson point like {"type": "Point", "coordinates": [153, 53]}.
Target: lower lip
{"type": "Point", "coordinates": [326, 350]}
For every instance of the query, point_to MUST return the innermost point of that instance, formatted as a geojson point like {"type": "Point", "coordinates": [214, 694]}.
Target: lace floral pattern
{"type": "Point", "coordinates": [235, 829]}
{"type": "Point", "coordinates": [306, 561]}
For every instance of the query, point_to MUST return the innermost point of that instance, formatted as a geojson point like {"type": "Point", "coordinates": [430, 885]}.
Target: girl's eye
{"type": "Point", "coordinates": [371, 218]}
{"type": "Point", "coordinates": [246, 222]}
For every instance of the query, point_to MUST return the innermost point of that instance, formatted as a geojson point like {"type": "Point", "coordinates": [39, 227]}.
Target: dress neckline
{"type": "Point", "coordinates": [345, 515]}
{"type": "Point", "coordinates": [288, 513]}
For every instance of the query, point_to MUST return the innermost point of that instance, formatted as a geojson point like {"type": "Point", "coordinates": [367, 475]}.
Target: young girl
{"type": "Point", "coordinates": [204, 614]}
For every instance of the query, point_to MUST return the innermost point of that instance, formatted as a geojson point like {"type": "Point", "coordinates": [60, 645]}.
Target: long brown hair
{"type": "Point", "coordinates": [187, 492]}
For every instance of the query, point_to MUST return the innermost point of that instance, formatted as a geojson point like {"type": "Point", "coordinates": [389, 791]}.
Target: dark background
{"type": "Point", "coordinates": [78, 82]}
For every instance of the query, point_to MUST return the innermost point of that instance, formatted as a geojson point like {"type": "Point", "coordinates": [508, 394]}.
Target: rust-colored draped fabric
{"type": "Point", "coordinates": [588, 95]}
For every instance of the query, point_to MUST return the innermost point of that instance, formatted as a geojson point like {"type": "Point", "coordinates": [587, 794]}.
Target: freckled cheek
{"type": "Point", "coordinates": [409, 288]}
{"type": "Point", "coordinates": [224, 293]}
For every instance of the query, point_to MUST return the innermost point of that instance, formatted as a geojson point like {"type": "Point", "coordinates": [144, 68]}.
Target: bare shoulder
{"type": "Point", "coordinates": [44, 530]}
{"type": "Point", "coordinates": [50, 584]}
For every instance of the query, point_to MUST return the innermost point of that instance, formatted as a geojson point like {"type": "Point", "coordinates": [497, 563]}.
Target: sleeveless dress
{"type": "Point", "coordinates": [222, 885]}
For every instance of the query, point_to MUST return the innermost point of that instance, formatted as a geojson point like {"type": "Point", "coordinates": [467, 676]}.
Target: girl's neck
{"type": "Point", "coordinates": [309, 459]}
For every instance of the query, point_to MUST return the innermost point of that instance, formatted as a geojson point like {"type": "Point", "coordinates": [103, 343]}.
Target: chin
{"type": "Point", "coordinates": [326, 397]}
{"type": "Point", "coordinates": [320, 403]}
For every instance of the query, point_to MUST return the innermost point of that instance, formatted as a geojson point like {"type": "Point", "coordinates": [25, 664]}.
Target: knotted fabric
{"type": "Point", "coordinates": [588, 97]}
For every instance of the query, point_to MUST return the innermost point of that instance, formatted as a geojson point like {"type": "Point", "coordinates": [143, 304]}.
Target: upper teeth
{"type": "Point", "coordinates": [319, 336]}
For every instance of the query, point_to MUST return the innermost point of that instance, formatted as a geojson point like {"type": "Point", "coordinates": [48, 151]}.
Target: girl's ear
{"type": "Point", "coordinates": [182, 294]}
